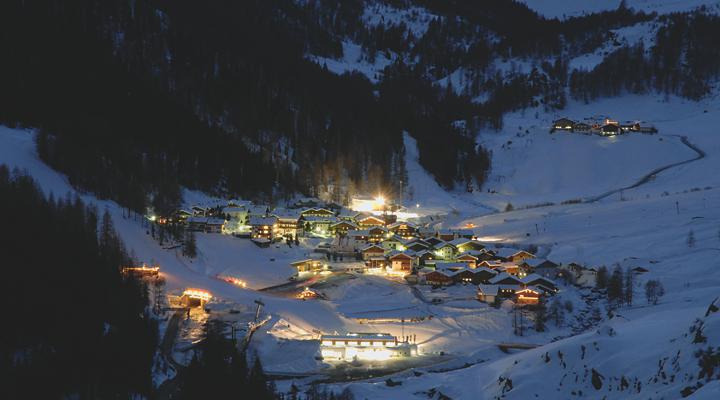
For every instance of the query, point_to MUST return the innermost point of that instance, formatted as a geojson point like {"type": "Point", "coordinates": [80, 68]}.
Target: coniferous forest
{"type": "Point", "coordinates": [73, 325]}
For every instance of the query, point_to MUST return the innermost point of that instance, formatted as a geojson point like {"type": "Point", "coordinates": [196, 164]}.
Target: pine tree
{"type": "Point", "coordinates": [190, 245]}
{"type": "Point", "coordinates": [691, 239]}
{"type": "Point", "coordinates": [615, 287]}
{"type": "Point", "coordinates": [654, 290]}
{"type": "Point", "coordinates": [556, 313]}
{"type": "Point", "coordinates": [629, 285]}
{"type": "Point", "coordinates": [540, 316]}
{"type": "Point", "coordinates": [601, 278]}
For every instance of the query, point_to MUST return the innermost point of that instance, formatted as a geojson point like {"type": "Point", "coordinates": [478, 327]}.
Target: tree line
{"type": "Point", "coordinates": [75, 327]}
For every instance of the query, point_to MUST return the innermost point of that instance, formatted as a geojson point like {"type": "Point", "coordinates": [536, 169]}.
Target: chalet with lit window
{"type": "Point", "coordinates": [236, 213]}
{"type": "Point", "coordinates": [562, 124]}
{"type": "Point", "coordinates": [468, 259]}
{"type": "Point", "coordinates": [610, 130]}
{"type": "Point", "coordinates": [359, 236]}
{"type": "Point", "coordinates": [540, 282]}
{"type": "Point", "coordinates": [434, 277]}
{"type": "Point", "coordinates": [342, 227]}
{"type": "Point", "coordinates": [487, 293]}
{"type": "Point", "coordinates": [370, 221]}
{"type": "Point", "coordinates": [377, 234]}
{"type": "Point", "coordinates": [425, 257]}
{"type": "Point", "coordinates": [215, 225]}
{"type": "Point", "coordinates": [373, 250]}
{"type": "Point", "coordinates": [464, 244]}
{"type": "Point", "coordinates": [405, 230]}
{"type": "Point", "coordinates": [527, 296]}
{"type": "Point", "coordinates": [288, 224]}
{"type": "Point", "coordinates": [258, 211]}
{"type": "Point", "coordinates": [505, 279]}
{"type": "Point", "coordinates": [445, 251]}
{"type": "Point", "coordinates": [309, 267]}
{"type": "Point", "coordinates": [401, 262]}
{"type": "Point", "coordinates": [262, 227]}
{"type": "Point", "coordinates": [512, 255]}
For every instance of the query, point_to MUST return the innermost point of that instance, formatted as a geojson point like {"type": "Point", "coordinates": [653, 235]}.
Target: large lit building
{"type": "Point", "coordinates": [364, 346]}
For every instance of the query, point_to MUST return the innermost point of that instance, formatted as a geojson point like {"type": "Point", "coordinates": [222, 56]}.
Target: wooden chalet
{"type": "Point", "coordinates": [505, 279]}
{"type": "Point", "coordinates": [582, 127]}
{"type": "Point", "coordinates": [483, 275]}
{"type": "Point", "coordinates": [215, 225]}
{"type": "Point", "coordinates": [287, 224]}
{"type": "Point", "coordinates": [468, 259]}
{"type": "Point", "coordinates": [437, 278]}
{"type": "Point", "coordinates": [377, 234]}
{"type": "Point", "coordinates": [401, 262]}
{"type": "Point", "coordinates": [360, 236]}
{"type": "Point", "coordinates": [520, 256]}
{"type": "Point", "coordinates": [425, 257]}
{"type": "Point", "coordinates": [309, 266]}
{"type": "Point", "coordinates": [342, 227]}
{"type": "Point", "coordinates": [262, 227]}
{"type": "Point", "coordinates": [445, 251]}
{"type": "Point", "coordinates": [540, 282]}
{"type": "Point", "coordinates": [487, 293]}
{"type": "Point", "coordinates": [307, 294]}
{"type": "Point", "coordinates": [464, 244]}
{"type": "Point", "coordinates": [562, 124]}
{"type": "Point", "coordinates": [445, 235]}
{"type": "Point", "coordinates": [373, 250]}
{"type": "Point", "coordinates": [541, 267]}
{"type": "Point", "coordinates": [405, 230]}
{"type": "Point", "coordinates": [527, 296]}
{"type": "Point", "coordinates": [370, 221]}
{"type": "Point", "coordinates": [610, 130]}
{"type": "Point", "coordinates": [433, 240]}
{"type": "Point", "coordinates": [417, 245]}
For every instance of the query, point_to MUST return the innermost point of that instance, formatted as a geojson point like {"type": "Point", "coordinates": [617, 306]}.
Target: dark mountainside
{"type": "Point", "coordinates": [135, 99]}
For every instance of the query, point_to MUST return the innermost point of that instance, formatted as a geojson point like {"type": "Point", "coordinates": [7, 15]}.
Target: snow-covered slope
{"type": "Point", "coordinates": [573, 8]}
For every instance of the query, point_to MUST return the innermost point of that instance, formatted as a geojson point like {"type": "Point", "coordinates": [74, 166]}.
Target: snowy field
{"type": "Point", "coordinates": [645, 226]}
{"type": "Point", "coordinates": [573, 8]}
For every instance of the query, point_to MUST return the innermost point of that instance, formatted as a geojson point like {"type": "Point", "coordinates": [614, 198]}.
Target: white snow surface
{"type": "Point", "coordinates": [572, 8]}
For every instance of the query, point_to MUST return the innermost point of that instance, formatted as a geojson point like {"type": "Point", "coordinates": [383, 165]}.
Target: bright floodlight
{"type": "Point", "coordinates": [380, 200]}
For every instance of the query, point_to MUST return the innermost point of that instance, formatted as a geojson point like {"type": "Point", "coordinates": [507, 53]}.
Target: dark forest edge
{"type": "Point", "coordinates": [76, 327]}
{"type": "Point", "coordinates": [134, 100]}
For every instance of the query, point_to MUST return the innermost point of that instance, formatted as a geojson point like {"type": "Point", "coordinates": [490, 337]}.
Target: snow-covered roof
{"type": "Point", "coordinates": [367, 336]}
{"type": "Point", "coordinates": [257, 221]}
{"type": "Point", "coordinates": [502, 276]}
{"type": "Point", "coordinates": [490, 290]}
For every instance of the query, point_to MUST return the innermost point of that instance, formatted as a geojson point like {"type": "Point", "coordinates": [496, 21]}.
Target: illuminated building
{"type": "Point", "coordinates": [364, 346]}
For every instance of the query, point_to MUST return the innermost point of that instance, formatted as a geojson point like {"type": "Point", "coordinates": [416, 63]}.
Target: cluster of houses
{"type": "Point", "coordinates": [607, 127]}
{"type": "Point", "coordinates": [447, 257]}
{"type": "Point", "coordinates": [265, 224]}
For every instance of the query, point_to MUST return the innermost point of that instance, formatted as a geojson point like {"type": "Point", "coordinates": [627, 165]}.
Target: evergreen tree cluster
{"type": "Point", "coordinates": [74, 326]}
{"type": "Point", "coordinates": [683, 61]}
{"type": "Point", "coordinates": [218, 370]}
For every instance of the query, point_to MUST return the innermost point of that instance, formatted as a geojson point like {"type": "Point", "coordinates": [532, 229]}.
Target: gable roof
{"type": "Point", "coordinates": [489, 290]}
{"type": "Point", "coordinates": [399, 254]}
{"type": "Point", "coordinates": [257, 221]}
{"type": "Point", "coordinates": [504, 275]}
{"type": "Point", "coordinates": [366, 248]}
